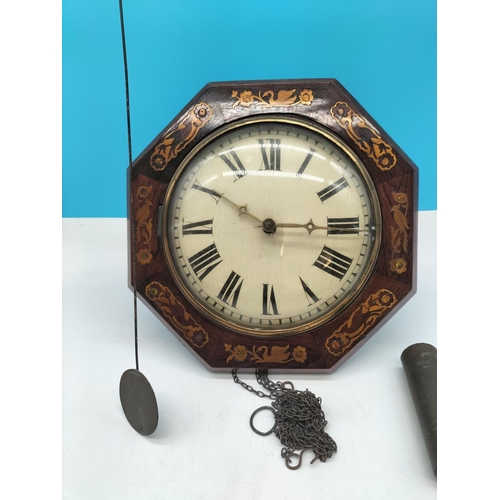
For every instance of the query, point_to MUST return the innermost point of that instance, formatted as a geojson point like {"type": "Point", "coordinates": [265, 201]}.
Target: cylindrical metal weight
{"type": "Point", "coordinates": [420, 366]}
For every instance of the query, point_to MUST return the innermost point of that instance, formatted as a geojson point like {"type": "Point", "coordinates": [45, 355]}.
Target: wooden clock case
{"type": "Point", "coordinates": [392, 283]}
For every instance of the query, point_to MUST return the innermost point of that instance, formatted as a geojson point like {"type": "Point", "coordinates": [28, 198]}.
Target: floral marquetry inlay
{"type": "Point", "coordinates": [262, 354]}
{"type": "Point", "coordinates": [177, 139]}
{"type": "Point", "coordinates": [369, 313]}
{"type": "Point", "coordinates": [272, 225]}
{"type": "Point", "coordinates": [269, 98]}
{"type": "Point", "coordinates": [144, 225]}
{"type": "Point", "coordinates": [366, 137]}
{"type": "Point", "coordinates": [172, 309]}
{"type": "Point", "coordinates": [399, 233]}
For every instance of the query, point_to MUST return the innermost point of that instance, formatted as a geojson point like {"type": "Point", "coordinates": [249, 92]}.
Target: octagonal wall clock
{"type": "Point", "coordinates": [275, 225]}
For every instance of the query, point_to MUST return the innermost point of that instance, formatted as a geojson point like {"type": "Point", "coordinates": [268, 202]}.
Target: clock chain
{"type": "Point", "coordinates": [299, 419]}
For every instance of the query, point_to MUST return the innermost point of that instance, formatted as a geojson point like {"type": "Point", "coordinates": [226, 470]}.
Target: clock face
{"type": "Point", "coordinates": [272, 226]}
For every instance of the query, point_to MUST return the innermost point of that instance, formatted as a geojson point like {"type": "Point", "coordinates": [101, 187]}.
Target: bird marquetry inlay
{"type": "Point", "coordinates": [399, 233]}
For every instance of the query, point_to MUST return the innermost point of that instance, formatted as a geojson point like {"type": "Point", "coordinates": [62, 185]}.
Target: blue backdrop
{"type": "Point", "coordinates": [382, 51]}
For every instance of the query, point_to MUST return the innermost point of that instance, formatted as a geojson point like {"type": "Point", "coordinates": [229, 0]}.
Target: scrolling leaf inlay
{"type": "Point", "coordinates": [174, 310]}
{"type": "Point", "coordinates": [369, 312]}
{"type": "Point", "coordinates": [262, 354]}
{"type": "Point", "coordinates": [366, 137]}
{"type": "Point", "coordinates": [177, 139]}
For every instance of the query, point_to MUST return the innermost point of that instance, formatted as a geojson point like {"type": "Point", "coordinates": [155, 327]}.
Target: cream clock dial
{"type": "Point", "coordinates": [271, 226]}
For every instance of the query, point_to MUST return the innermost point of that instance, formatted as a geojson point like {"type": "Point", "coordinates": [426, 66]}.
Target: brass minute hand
{"type": "Point", "coordinates": [242, 209]}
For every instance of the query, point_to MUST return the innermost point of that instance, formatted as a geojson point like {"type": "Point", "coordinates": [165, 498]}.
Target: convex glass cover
{"type": "Point", "coordinates": [272, 225]}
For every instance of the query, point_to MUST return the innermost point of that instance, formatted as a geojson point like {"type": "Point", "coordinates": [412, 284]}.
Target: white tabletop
{"type": "Point", "coordinates": [203, 447]}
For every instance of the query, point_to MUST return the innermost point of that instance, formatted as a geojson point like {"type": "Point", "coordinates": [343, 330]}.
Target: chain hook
{"type": "Point", "coordinates": [288, 459]}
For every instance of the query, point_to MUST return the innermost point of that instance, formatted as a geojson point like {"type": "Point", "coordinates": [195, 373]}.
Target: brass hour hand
{"type": "Point", "coordinates": [311, 226]}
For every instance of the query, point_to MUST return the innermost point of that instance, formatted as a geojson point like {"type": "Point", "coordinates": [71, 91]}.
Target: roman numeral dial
{"type": "Point", "coordinates": [306, 161]}
{"type": "Point", "coordinates": [271, 153]}
{"type": "Point", "coordinates": [343, 225]}
{"type": "Point", "coordinates": [234, 163]}
{"type": "Point", "coordinates": [311, 297]}
{"type": "Point", "coordinates": [333, 262]}
{"type": "Point", "coordinates": [266, 226]}
{"type": "Point", "coordinates": [230, 291]}
{"type": "Point", "coordinates": [269, 305]}
{"type": "Point", "coordinates": [214, 194]}
{"type": "Point", "coordinates": [201, 227]}
{"type": "Point", "coordinates": [332, 189]}
{"type": "Point", "coordinates": [205, 261]}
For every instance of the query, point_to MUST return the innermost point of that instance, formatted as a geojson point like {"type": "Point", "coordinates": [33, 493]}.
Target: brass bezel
{"type": "Point", "coordinates": [351, 295]}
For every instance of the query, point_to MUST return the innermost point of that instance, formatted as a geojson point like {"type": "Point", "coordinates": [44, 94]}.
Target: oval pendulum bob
{"type": "Point", "coordinates": [139, 402]}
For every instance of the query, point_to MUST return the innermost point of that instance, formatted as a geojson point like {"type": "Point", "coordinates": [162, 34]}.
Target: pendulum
{"type": "Point", "coordinates": [136, 394]}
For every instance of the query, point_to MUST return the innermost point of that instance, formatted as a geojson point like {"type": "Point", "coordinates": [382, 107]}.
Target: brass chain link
{"type": "Point", "coordinates": [299, 419]}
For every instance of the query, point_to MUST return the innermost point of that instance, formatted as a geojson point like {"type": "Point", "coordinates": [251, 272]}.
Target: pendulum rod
{"type": "Point", "coordinates": [136, 394]}
{"type": "Point", "coordinates": [130, 180]}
